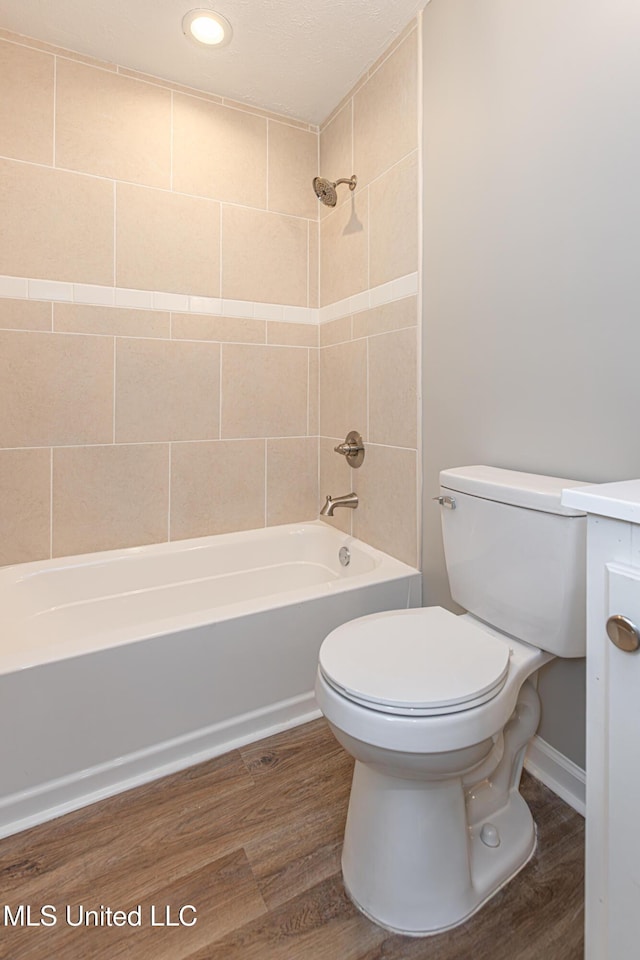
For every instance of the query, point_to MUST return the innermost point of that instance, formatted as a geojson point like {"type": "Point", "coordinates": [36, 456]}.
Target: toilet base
{"type": "Point", "coordinates": [434, 933]}
{"type": "Point", "coordinates": [412, 864]}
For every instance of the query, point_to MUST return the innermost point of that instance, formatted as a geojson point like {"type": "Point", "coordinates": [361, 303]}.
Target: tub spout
{"type": "Point", "coordinates": [349, 500]}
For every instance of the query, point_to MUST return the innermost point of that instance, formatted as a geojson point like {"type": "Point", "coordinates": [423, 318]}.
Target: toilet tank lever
{"type": "Point", "coordinates": [448, 502]}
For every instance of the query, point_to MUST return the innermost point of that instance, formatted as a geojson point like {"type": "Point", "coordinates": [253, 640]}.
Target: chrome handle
{"type": "Point", "coordinates": [448, 502]}
{"type": "Point", "coordinates": [352, 449]}
{"type": "Point", "coordinates": [348, 449]}
{"type": "Point", "coordinates": [623, 633]}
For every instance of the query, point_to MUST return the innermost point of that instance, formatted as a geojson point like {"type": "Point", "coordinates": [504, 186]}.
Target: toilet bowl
{"type": "Point", "coordinates": [437, 709]}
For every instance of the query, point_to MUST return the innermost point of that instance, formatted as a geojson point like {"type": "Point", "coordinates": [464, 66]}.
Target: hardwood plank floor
{"type": "Point", "coordinates": [252, 840]}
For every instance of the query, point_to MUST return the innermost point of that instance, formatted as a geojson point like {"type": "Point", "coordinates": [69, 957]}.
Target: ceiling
{"type": "Point", "coordinates": [295, 57]}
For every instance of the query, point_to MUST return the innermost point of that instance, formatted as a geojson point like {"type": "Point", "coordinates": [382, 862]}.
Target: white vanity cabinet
{"type": "Point", "coordinates": [613, 718]}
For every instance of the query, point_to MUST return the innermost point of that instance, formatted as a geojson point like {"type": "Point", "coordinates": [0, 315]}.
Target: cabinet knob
{"type": "Point", "coordinates": [623, 633]}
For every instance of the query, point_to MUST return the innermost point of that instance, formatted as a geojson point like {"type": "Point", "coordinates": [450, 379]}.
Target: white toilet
{"type": "Point", "coordinates": [437, 709]}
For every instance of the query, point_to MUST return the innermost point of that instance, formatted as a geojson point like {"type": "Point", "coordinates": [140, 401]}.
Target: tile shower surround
{"type": "Point", "coordinates": [369, 342]}
{"type": "Point", "coordinates": [143, 383]}
{"type": "Point", "coordinates": [117, 424]}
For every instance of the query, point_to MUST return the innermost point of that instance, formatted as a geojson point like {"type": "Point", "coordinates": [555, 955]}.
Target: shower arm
{"type": "Point", "coordinates": [352, 181]}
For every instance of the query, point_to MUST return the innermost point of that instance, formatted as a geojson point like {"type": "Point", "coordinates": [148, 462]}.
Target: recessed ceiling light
{"type": "Point", "coordinates": [207, 27]}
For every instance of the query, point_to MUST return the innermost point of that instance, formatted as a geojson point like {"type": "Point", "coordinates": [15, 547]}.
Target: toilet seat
{"type": "Point", "coordinates": [424, 662]}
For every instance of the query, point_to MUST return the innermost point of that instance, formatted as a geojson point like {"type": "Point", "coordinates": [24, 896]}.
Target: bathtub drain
{"type": "Point", "coordinates": [344, 556]}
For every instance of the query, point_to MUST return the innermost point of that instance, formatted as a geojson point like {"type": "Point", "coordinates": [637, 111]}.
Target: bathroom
{"type": "Point", "coordinates": [184, 343]}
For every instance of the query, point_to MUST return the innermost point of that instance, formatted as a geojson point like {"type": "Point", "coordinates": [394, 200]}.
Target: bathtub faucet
{"type": "Point", "coordinates": [349, 500]}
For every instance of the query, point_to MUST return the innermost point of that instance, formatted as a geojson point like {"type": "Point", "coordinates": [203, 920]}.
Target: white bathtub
{"type": "Point", "coordinates": [119, 667]}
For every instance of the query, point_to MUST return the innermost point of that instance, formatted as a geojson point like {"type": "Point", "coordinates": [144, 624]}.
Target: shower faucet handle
{"type": "Point", "coordinates": [352, 449]}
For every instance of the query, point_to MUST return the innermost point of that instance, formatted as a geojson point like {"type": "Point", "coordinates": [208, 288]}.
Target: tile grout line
{"type": "Point", "coordinates": [308, 387]}
{"type": "Point", "coordinates": [171, 143]}
{"type": "Point", "coordinates": [266, 186]}
{"type": "Point", "coordinates": [318, 454]}
{"type": "Point", "coordinates": [220, 393]}
{"type": "Point", "coordinates": [353, 134]}
{"type": "Point", "coordinates": [266, 474]}
{"type": "Point", "coordinates": [221, 261]}
{"type": "Point", "coordinates": [50, 503]}
{"type": "Point", "coordinates": [55, 94]}
{"type": "Point", "coordinates": [169, 494]}
{"type": "Point", "coordinates": [308, 261]}
{"type": "Point", "coordinates": [147, 443]}
{"type": "Point", "coordinates": [147, 186]}
{"type": "Point", "coordinates": [368, 238]}
{"type": "Point", "coordinates": [114, 389]}
{"type": "Point", "coordinates": [115, 228]}
{"type": "Point", "coordinates": [367, 388]}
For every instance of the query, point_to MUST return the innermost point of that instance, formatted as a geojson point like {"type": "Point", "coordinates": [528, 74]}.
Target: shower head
{"type": "Point", "coordinates": [326, 189]}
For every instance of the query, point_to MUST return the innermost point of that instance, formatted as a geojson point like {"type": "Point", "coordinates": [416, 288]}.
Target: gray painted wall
{"type": "Point", "coordinates": [531, 331]}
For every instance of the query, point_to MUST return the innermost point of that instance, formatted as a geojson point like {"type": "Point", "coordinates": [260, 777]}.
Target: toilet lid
{"type": "Point", "coordinates": [424, 661]}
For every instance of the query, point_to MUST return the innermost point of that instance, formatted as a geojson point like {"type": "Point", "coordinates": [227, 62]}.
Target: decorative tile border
{"type": "Point", "coordinates": [374, 297]}
{"type": "Point", "coordinates": [23, 288]}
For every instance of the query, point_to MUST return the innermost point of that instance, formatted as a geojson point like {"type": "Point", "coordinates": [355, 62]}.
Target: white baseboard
{"type": "Point", "coordinates": [557, 772]}
{"type": "Point", "coordinates": [20, 811]}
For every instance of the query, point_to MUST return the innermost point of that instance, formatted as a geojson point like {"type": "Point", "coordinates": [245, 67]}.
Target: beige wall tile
{"type": "Point", "coordinates": [292, 480]}
{"type": "Point", "coordinates": [55, 389]}
{"type": "Point", "coordinates": [264, 257]}
{"type": "Point", "coordinates": [344, 249]}
{"type": "Point", "coordinates": [386, 515]}
{"type": "Point", "coordinates": [336, 479]}
{"type": "Point", "coordinates": [25, 485]}
{"type": "Point", "coordinates": [219, 152]}
{"type": "Point", "coordinates": [343, 389]}
{"type": "Point", "coordinates": [55, 225]}
{"type": "Point", "coordinates": [25, 315]}
{"type": "Point", "coordinates": [264, 391]}
{"type": "Point", "coordinates": [167, 242]}
{"type": "Point", "coordinates": [190, 91]}
{"type": "Point", "coordinates": [395, 43]}
{"type": "Point", "coordinates": [393, 403]}
{"type": "Point", "coordinates": [336, 151]}
{"type": "Point", "coordinates": [314, 264]}
{"type": "Point", "coordinates": [26, 103]}
{"type": "Point", "coordinates": [336, 145]}
{"type": "Point", "coordinates": [314, 393]}
{"type": "Point", "coordinates": [117, 321]}
{"type": "Point", "coordinates": [109, 497]}
{"type": "Point", "coordinates": [111, 125]}
{"type": "Point", "coordinates": [293, 163]}
{"type": "Point", "coordinates": [393, 222]}
{"type": "Point", "coordinates": [216, 487]}
{"type": "Point", "coordinates": [193, 326]}
{"type": "Point", "coordinates": [51, 48]}
{"type": "Point", "coordinates": [292, 334]}
{"type": "Point", "coordinates": [385, 113]}
{"type": "Point", "coordinates": [269, 114]}
{"type": "Point", "coordinates": [167, 390]}
{"type": "Point", "coordinates": [386, 317]}
{"type": "Point", "coordinates": [335, 331]}
{"type": "Point", "coordinates": [345, 100]}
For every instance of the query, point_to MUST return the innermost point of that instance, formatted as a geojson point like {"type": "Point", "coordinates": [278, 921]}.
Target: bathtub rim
{"type": "Point", "coordinates": [386, 569]}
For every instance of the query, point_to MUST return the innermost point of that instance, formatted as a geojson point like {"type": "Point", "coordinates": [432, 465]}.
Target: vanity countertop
{"type": "Point", "coordinates": [619, 500]}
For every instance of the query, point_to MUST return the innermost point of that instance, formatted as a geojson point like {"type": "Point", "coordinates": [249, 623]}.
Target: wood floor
{"type": "Point", "coordinates": [252, 840]}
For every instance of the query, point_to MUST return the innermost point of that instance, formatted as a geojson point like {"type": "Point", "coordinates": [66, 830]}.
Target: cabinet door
{"type": "Point", "coordinates": [624, 772]}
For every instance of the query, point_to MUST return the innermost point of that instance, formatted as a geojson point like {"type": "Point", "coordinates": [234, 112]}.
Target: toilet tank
{"type": "Point", "coordinates": [516, 558]}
